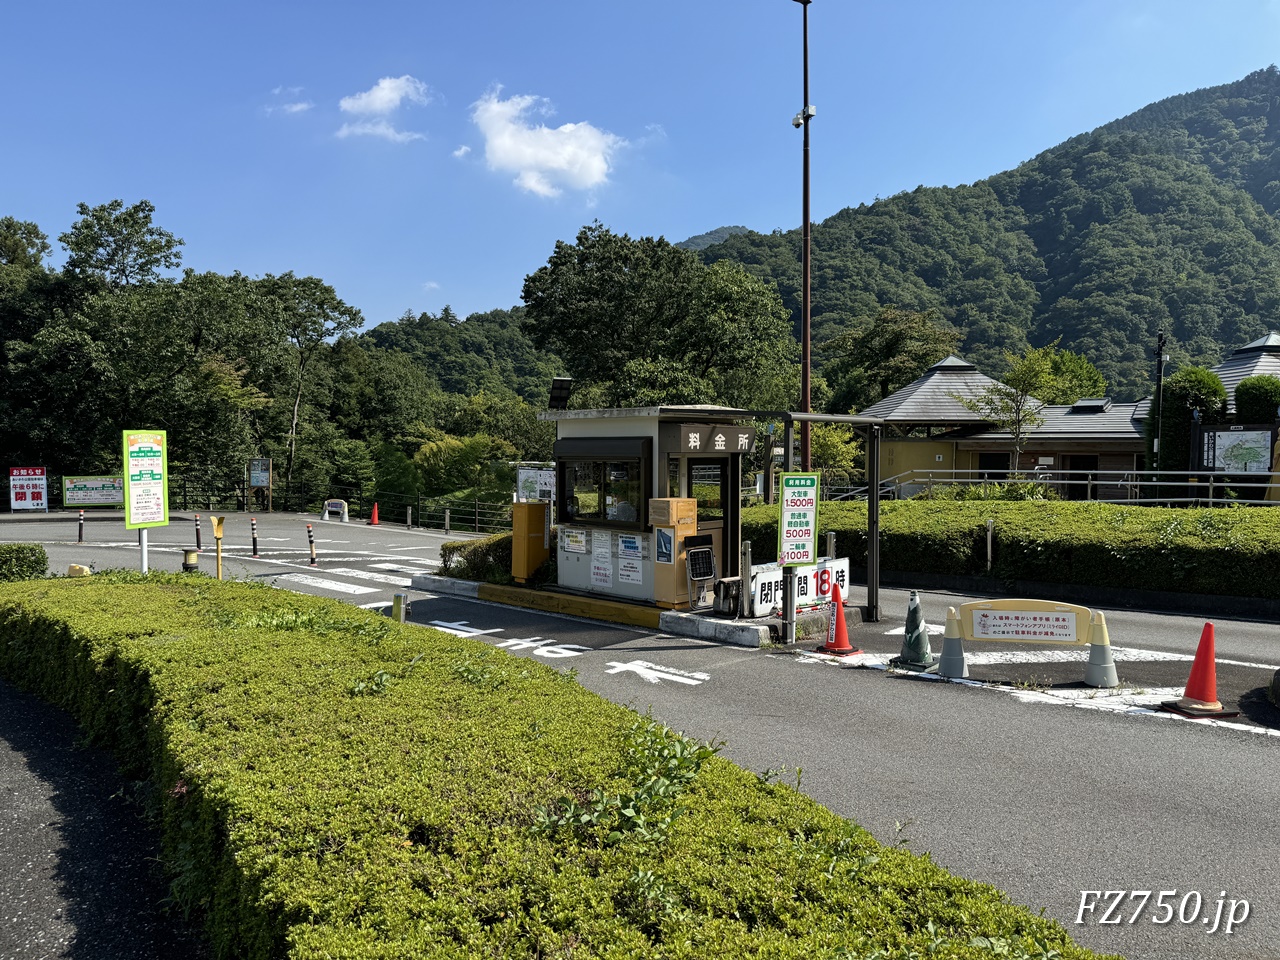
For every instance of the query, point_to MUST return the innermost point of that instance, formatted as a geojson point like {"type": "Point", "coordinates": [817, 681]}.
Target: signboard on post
{"type": "Point", "coordinates": [535, 483]}
{"type": "Point", "coordinates": [259, 471]}
{"type": "Point", "coordinates": [28, 489]}
{"type": "Point", "coordinates": [146, 479]}
{"type": "Point", "coordinates": [813, 585]}
{"type": "Point", "coordinates": [92, 491]}
{"type": "Point", "coordinates": [798, 520]}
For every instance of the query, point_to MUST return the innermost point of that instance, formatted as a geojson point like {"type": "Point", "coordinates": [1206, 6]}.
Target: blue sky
{"type": "Point", "coordinates": [420, 154]}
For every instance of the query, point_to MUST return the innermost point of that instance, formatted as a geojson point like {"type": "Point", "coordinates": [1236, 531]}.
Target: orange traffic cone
{"type": "Point", "coordinates": [1200, 698]}
{"type": "Point", "coordinates": [838, 633]}
{"type": "Point", "coordinates": [373, 521]}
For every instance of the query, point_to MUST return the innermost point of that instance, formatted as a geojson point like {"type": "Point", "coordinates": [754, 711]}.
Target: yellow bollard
{"type": "Point", "coordinates": [217, 537]}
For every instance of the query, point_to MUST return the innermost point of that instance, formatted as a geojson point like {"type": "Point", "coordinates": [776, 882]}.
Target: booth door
{"type": "Point", "coordinates": [714, 482]}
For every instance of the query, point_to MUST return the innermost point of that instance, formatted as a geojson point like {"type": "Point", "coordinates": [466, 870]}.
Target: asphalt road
{"type": "Point", "coordinates": [1007, 783]}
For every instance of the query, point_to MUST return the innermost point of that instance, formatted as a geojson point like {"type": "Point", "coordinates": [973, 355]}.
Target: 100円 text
{"type": "Point", "coordinates": [1162, 906]}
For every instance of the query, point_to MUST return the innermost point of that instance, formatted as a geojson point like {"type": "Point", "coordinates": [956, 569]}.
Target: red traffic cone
{"type": "Point", "coordinates": [373, 520]}
{"type": "Point", "coordinates": [838, 633]}
{"type": "Point", "coordinates": [1200, 698]}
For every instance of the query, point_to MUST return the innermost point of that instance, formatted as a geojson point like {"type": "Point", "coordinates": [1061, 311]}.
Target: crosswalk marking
{"type": "Point", "coordinates": [424, 566]}
{"type": "Point", "coordinates": [369, 575]}
{"type": "Point", "coordinates": [326, 584]}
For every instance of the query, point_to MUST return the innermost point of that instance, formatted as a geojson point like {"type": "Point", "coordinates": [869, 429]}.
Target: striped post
{"type": "Point", "coordinates": [253, 526]}
{"type": "Point", "coordinates": [81, 540]}
{"type": "Point", "coordinates": [311, 542]}
{"type": "Point", "coordinates": [199, 549]}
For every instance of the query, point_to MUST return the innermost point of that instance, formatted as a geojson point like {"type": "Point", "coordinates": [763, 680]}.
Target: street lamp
{"type": "Point", "coordinates": [801, 121]}
{"type": "Point", "coordinates": [1161, 359]}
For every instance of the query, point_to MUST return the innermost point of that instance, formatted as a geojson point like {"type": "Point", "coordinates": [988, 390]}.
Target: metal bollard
{"type": "Point", "coordinates": [311, 542]}
{"type": "Point", "coordinates": [446, 519]}
{"type": "Point", "coordinates": [831, 544]}
{"type": "Point", "coordinates": [81, 540]}
{"type": "Point", "coordinates": [399, 607]}
{"type": "Point", "coordinates": [253, 526]}
{"type": "Point", "coordinates": [408, 518]}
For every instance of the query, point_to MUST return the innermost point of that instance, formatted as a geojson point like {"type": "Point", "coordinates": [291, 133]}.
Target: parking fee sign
{"type": "Point", "coordinates": [28, 489]}
{"type": "Point", "coordinates": [798, 520]}
{"type": "Point", "coordinates": [146, 479]}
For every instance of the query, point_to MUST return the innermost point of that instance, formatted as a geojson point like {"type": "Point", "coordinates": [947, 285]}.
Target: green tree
{"type": "Point", "coordinates": [22, 244]}
{"type": "Point", "coordinates": [119, 245]}
{"type": "Point", "coordinates": [880, 354]}
{"type": "Point", "coordinates": [1073, 378]}
{"type": "Point", "coordinates": [642, 320]}
{"type": "Point", "coordinates": [309, 313]}
{"type": "Point", "coordinates": [1190, 391]}
{"type": "Point", "coordinates": [1014, 404]}
{"type": "Point", "coordinates": [1258, 399]}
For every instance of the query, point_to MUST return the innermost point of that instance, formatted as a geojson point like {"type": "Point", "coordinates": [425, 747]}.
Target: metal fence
{"type": "Point", "coordinates": [1166, 488]}
{"type": "Point", "coordinates": [205, 495]}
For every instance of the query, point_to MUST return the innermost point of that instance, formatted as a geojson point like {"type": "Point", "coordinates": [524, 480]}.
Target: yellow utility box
{"type": "Point", "coordinates": [530, 538]}
{"type": "Point", "coordinates": [674, 519]}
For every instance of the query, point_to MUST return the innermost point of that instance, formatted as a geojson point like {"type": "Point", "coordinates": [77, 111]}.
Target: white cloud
{"type": "Point", "coordinates": [574, 155]}
{"type": "Point", "coordinates": [294, 106]}
{"type": "Point", "coordinates": [385, 96]}
{"type": "Point", "coordinates": [462, 151]}
{"type": "Point", "coordinates": [431, 285]}
{"type": "Point", "coordinates": [377, 128]}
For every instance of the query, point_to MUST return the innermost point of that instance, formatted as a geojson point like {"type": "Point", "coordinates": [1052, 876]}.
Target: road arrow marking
{"type": "Point", "coordinates": [656, 674]}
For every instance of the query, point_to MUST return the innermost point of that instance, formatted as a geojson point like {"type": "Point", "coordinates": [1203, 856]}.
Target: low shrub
{"type": "Point", "coordinates": [333, 784]}
{"type": "Point", "coordinates": [489, 561]}
{"type": "Point", "coordinates": [1218, 551]}
{"type": "Point", "coordinates": [23, 561]}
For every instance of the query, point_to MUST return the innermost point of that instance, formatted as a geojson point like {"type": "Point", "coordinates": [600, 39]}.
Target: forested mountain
{"type": "Point", "coordinates": [487, 351]}
{"type": "Point", "coordinates": [704, 240]}
{"type": "Point", "coordinates": [1165, 219]}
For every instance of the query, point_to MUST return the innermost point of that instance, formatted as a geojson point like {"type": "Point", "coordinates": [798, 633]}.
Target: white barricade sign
{"type": "Point", "coordinates": [813, 585]}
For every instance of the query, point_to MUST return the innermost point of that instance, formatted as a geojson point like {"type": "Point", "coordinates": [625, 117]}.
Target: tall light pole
{"type": "Point", "coordinates": [806, 361]}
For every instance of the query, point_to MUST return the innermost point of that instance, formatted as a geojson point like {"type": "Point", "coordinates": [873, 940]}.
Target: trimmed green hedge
{"type": "Point", "coordinates": [1228, 552]}
{"type": "Point", "coordinates": [22, 561]}
{"type": "Point", "coordinates": [334, 785]}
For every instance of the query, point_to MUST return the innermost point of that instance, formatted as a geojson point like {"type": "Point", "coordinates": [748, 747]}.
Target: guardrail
{"type": "Point", "coordinates": [1167, 488]}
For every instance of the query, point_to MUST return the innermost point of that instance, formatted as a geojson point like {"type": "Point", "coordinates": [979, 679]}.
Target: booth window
{"type": "Point", "coordinates": [608, 489]}
{"type": "Point", "coordinates": [709, 484]}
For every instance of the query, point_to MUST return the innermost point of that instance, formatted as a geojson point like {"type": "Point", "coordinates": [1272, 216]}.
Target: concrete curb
{"type": "Point", "coordinates": [676, 622]}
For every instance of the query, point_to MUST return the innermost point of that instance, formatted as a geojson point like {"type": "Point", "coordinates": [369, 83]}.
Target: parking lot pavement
{"type": "Point", "coordinates": [79, 869]}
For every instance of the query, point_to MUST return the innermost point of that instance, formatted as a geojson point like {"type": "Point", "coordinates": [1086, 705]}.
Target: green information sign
{"type": "Point", "coordinates": [798, 519]}
{"type": "Point", "coordinates": [146, 479]}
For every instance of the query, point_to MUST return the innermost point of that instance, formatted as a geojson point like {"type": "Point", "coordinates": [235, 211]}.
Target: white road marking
{"type": "Point", "coordinates": [544, 648]}
{"type": "Point", "coordinates": [933, 628]}
{"type": "Point", "coordinates": [326, 584]}
{"type": "Point", "coordinates": [369, 575]}
{"type": "Point", "coordinates": [656, 674]}
{"type": "Point", "coordinates": [376, 605]}
{"type": "Point", "coordinates": [401, 568]}
{"type": "Point", "coordinates": [459, 628]}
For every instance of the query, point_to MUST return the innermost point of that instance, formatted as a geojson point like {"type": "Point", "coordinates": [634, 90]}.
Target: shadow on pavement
{"type": "Point", "coordinates": [79, 870]}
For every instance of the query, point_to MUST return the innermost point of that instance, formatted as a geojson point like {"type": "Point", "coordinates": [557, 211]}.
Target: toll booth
{"type": "Point", "coordinates": [635, 486]}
